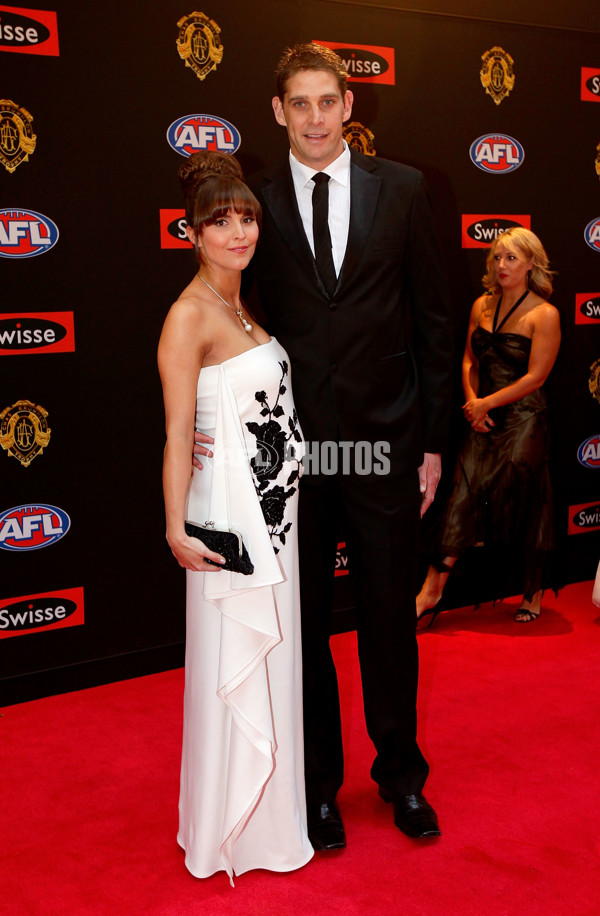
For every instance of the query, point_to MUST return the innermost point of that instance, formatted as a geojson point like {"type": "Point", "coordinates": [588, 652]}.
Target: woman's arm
{"type": "Point", "coordinates": [470, 368]}
{"type": "Point", "coordinates": [545, 342]}
{"type": "Point", "coordinates": [180, 354]}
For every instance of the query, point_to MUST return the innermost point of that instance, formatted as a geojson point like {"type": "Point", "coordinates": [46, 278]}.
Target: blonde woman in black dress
{"type": "Point", "coordinates": [502, 491]}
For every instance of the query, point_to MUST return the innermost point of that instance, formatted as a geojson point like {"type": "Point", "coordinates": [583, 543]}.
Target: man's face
{"type": "Point", "coordinates": [313, 112]}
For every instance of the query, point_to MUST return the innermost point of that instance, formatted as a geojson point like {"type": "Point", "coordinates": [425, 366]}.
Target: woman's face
{"type": "Point", "coordinates": [510, 267]}
{"type": "Point", "coordinates": [229, 243]}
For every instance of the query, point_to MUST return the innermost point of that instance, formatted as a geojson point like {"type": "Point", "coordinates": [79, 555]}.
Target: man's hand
{"type": "Point", "coordinates": [200, 443]}
{"type": "Point", "coordinates": [429, 477]}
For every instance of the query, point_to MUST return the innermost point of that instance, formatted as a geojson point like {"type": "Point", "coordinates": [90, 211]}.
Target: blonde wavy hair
{"type": "Point", "coordinates": [525, 245]}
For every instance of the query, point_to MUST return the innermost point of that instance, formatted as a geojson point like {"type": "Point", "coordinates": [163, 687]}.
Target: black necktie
{"type": "Point", "coordinates": [322, 238]}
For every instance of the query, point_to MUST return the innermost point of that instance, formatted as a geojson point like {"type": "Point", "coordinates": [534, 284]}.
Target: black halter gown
{"type": "Point", "coordinates": [502, 492]}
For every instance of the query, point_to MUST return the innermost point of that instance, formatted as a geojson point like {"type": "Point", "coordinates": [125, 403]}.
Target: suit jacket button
{"type": "Point", "coordinates": [333, 367]}
{"type": "Point", "coordinates": [333, 306]}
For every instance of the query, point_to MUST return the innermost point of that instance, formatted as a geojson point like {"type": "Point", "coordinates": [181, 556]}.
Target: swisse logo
{"type": "Point", "coordinates": [44, 611]}
{"type": "Point", "coordinates": [28, 31]}
{"type": "Point", "coordinates": [365, 63]}
{"type": "Point", "coordinates": [31, 527]}
{"type": "Point", "coordinates": [172, 229]}
{"type": "Point", "coordinates": [25, 615]}
{"type": "Point", "coordinates": [197, 132]}
{"type": "Point", "coordinates": [29, 333]}
{"type": "Point", "coordinates": [497, 153]}
{"type": "Point", "coordinates": [25, 233]}
{"type": "Point", "coordinates": [36, 332]}
{"type": "Point", "coordinates": [341, 560]}
{"type": "Point", "coordinates": [590, 84]}
{"type": "Point", "coordinates": [587, 308]}
{"type": "Point", "coordinates": [480, 230]}
{"type": "Point", "coordinates": [588, 453]}
{"type": "Point", "coordinates": [592, 234]}
{"type": "Point", "coordinates": [584, 517]}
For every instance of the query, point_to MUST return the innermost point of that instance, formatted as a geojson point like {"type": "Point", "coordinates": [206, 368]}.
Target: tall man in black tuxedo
{"type": "Point", "coordinates": [371, 362]}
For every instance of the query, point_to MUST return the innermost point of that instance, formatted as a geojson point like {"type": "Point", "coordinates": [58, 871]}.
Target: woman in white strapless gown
{"type": "Point", "coordinates": [242, 803]}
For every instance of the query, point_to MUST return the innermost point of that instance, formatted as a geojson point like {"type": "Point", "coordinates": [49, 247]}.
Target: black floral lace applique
{"type": "Point", "coordinates": [273, 450]}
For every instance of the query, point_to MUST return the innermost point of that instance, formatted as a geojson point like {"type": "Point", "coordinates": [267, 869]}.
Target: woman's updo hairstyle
{"type": "Point", "coordinates": [213, 183]}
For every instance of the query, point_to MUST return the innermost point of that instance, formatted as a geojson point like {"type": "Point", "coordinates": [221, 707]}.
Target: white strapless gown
{"type": "Point", "coordinates": [242, 802]}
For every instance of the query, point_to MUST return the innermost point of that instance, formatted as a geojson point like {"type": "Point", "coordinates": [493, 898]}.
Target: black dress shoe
{"type": "Point", "coordinates": [413, 815]}
{"type": "Point", "coordinates": [325, 828]}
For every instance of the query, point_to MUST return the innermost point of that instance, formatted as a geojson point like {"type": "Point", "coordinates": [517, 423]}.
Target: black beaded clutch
{"type": "Point", "coordinates": [228, 543]}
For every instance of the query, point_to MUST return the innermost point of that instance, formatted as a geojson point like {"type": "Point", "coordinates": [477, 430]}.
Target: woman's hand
{"type": "Point", "coordinates": [476, 413]}
{"type": "Point", "coordinates": [200, 449]}
{"type": "Point", "coordinates": [483, 426]}
{"type": "Point", "coordinates": [475, 410]}
{"type": "Point", "coordinates": [191, 553]}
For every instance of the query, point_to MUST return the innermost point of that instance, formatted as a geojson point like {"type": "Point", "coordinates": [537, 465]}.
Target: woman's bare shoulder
{"type": "Point", "coordinates": [188, 325]}
{"type": "Point", "coordinates": [189, 310]}
{"type": "Point", "coordinates": [483, 306]}
{"type": "Point", "coordinates": [544, 313]}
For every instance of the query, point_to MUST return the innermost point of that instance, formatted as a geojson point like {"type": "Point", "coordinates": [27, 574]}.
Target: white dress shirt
{"type": "Point", "coordinates": [339, 201]}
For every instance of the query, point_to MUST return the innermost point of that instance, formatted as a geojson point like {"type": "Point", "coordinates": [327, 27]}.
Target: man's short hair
{"type": "Point", "coordinates": [309, 56]}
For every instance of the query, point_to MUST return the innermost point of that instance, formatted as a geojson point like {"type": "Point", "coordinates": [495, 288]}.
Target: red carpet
{"type": "Point", "coordinates": [509, 721]}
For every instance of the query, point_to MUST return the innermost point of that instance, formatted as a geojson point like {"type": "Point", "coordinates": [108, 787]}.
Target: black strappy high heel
{"type": "Point", "coordinates": [440, 606]}
{"type": "Point", "coordinates": [432, 612]}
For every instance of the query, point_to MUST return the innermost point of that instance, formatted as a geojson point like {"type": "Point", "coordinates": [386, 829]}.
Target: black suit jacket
{"type": "Point", "coordinates": [373, 361]}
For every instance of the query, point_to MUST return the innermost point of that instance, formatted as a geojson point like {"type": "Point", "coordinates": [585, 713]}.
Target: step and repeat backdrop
{"type": "Point", "coordinates": [99, 104]}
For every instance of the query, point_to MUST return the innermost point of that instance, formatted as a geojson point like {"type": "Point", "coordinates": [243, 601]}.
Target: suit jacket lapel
{"type": "Point", "coordinates": [280, 197]}
{"type": "Point", "coordinates": [365, 188]}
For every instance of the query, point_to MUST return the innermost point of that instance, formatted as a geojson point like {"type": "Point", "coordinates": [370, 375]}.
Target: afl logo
{"type": "Point", "coordinates": [592, 234]}
{"type": "Point", "coordinates": [497, 153]}
{"type": "Point", "coordinates": [25, 234]}
{"type": "Point", "coordinates": [197, 132]}
{"type": "Point", "coordinates": [588, 453]}
{"type": "Point", "coordinates": [31, 527]}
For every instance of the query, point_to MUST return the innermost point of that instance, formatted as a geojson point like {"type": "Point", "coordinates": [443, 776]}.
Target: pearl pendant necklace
{"type": "Point", "coordinates": [245, 324]}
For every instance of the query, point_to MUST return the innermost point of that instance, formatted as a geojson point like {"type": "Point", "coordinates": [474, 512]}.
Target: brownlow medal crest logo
{"type": "Point", "coordinates": [359, 138]}
{"type": "Point", "coordinates": [497, 74]}
{"type": "Point", "coordinates": [198, 43]}
{"type": "Point", "coordinates": [24, 432]}
{"type": "Point", "coordinates": [17, 139]}
{"type": "Point", "coordinates": [594, 380]}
